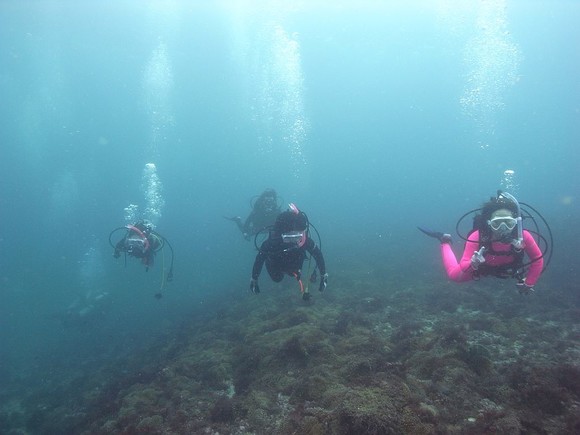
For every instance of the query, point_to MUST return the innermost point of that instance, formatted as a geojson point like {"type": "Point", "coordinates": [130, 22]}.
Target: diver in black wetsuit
{"type": "Point", "coordinates": [264, 211]}
{"type": "Point", "coordinates": [285, 250]}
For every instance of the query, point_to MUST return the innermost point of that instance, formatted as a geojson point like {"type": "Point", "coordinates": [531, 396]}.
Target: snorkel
{"type": "Point", "coordinates": [293, 208]}
{"type": "Point", "coordinates": [519, 243]}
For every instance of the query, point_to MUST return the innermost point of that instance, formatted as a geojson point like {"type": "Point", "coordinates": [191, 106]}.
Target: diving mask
{"type": "Point", "coordinates": [294, 238]}
{"type": "Point", "coordinates": [503, 223]}
{"type": "Point", "coordinates": [269, 203]}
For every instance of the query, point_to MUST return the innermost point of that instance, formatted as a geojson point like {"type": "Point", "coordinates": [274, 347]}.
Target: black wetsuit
{"type": "Point", "coordinates": [280, 259]}
{"type": "Point", "coordinates": [258, 220]}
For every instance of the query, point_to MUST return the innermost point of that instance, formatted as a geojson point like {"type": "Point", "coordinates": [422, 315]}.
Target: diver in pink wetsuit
{"type": "Point", "coordinates": [496, 247]}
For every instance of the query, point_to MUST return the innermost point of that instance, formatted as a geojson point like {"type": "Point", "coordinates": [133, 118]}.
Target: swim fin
{"type": "Point", "coordinates": [443, 238]}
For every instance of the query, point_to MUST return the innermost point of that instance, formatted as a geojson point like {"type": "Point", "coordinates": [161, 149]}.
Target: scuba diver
{"type": "Point", "coordinates": [265, 208]}
{"type": "Point", "coordinates": [284, 252]}
{"type": "Point", "coordinates": [497, 244]}
{"type": "Point", "coordinates": [86, 311]}
{"type": "Point", "coordinates": [142, 241]}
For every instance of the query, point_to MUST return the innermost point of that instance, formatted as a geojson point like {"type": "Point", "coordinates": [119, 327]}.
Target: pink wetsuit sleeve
{"type": "Point", "coordinates": [533, 252]}
{"type": "Point", "coordinates": [461, 271]}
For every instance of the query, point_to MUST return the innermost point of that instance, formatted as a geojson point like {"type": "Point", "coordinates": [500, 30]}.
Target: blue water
{"type": "Point", "coordinates": [372, 118]}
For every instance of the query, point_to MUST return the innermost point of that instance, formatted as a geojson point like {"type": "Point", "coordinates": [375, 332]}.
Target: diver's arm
{"type": "Point", "coordinates": [459, 271]}
{"type": "Point", "coordinates": [317, 254]}
{"type": "Point", "coordinates": [258, 263]}
{"type": "Point", "coordinates": [119, 247]}
{"type": "Point", "coordinates": [534, 253]}
{"type": "Point", "coordinates": [249, 223]}
{"type": "Point", "coordinates": [471, 247]}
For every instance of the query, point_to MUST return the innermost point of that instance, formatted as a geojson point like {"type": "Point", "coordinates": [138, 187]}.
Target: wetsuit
{"type": "Point", "coordinates": [258, 220]}
{"type": "Point", "coordinates": [463, 271]}
{"type": "Point", "coordinates": [282, 260]}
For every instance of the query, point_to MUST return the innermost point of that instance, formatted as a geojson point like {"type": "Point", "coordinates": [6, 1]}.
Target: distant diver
{"type": "Point", "coordinates": [265, 209]}
{"type": "Point", "coordinates": [86, 311]}
{"type": "Point", "coordinates": [498, 243]}
{"type": "Point", "coordinates": [141, 241]}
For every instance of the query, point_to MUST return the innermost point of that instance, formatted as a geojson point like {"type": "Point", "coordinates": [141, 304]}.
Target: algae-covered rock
{"type": "Point", "coordinates": [151, 425]}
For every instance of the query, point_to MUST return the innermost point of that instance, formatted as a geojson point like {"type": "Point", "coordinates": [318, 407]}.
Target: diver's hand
{"type": "Point", "coordinates": [254, 287]}
{"type": "Point", "coordinates": [477, 258]}
{"type": "Point", "coordinates": [524, 289]}
{"type": "Point", "coordinates": [116, 254]}
{"type": "Point", "coordinates": [323, 282]}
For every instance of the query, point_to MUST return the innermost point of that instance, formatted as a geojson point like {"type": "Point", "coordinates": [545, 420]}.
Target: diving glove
{"type": "Point", "coordinates": [323, 282]}
{"type": "Point", "coordinates": [477, 258]}
{"type": "Point", "coordinates": [254, 287]}
{"type": "Point", "coordinates": [524, 289]}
